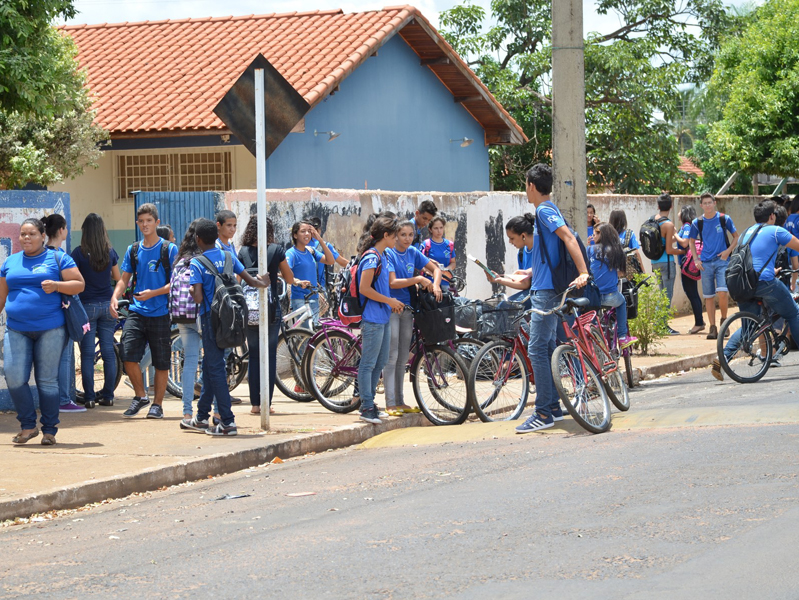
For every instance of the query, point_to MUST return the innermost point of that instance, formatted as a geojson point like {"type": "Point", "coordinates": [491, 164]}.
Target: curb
{"type": "Point", "coordinates": [675, 366]}
{"type": "Point", "coordinates": [80, 494]}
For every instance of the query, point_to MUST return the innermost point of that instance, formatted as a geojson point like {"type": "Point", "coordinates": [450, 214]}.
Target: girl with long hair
{"type": "Point", "coordinates": [440, 249]}
{"type": "Point", "coordinates": [689, 286]}
{"type": "Point", "coordinates": [303, 259]}
{"type": "Point", "coordinates": [607, 263]}
{"type": "Point", "coordinates": [98, 263]}
{"type": "Point", "coordinates": [635, 262]}
{"type": "Point", "coordinates": [520, 231]}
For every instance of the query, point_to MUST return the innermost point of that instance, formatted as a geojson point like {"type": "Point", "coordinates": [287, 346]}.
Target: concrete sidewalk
{"type": "Point", "coordinates": [101, 455]}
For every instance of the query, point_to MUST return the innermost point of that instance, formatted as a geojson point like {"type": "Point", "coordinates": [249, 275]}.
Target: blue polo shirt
{"type": "Point", "coordinates": [606, 279]}
{"type": "Point", "coordinates": [200, 274]}
{"type": "Point", "coordinates": [633, 240]}
{"type": "Point", "coordinates": [28, 307]}
{"type": "Point", "coordinates": [713, 242]}
{"type": "Point", "coordinates": [303, 266]}
{"type": "Point", "coordinates": [403, 265]}
{"type": "Point", "coordinates": [525, 258]}
{"type": "Point", "coordinates": [226, 247]}
{"type": "Point", "coordinates": [764, 247]}
{"type": "Point", "coordinates": [443, 252]}
{"type": "Point", "coordinates": [792, 224]}
{"type": "Point", "coordinates": [150, 275]}
{"type": "Point", "coordinates": [375, 312]}
{"type": "Point", "coordinates": [549, 217]}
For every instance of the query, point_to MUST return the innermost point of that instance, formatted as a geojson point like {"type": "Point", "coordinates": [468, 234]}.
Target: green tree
{"type": "Point", "coordinates": [46, 123]}
{"type": "Point", "coordinates": [756, 82]}
{"type": "Point", "coordinates": [631, 74]}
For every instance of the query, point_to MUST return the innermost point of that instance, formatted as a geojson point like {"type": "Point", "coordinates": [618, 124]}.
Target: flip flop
{"type": "Point", "coordinates": [394, 412]}
{"type": "Point", "coordinates": [413, 409]}
{"type": "Point", "coordinates": [21, 438]}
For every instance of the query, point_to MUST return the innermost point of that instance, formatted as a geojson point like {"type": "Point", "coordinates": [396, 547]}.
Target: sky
{"type": "Point", "coordinates": [116, 11]}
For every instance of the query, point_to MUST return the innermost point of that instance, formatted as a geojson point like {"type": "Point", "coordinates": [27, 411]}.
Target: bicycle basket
{"type": "Point", "coordinates": [501, 320]}
{"type": "Point", "coordinates": [436, 326]}
{"type": "Point", "coordinates": [467, 316]}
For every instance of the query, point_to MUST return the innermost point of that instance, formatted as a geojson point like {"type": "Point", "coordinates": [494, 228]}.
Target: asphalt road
{"type": "Point", "coordinates": [686, 512]}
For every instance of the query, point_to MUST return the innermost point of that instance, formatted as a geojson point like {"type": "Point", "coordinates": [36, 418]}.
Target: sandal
{"type": "Point", "coordinates": [48, 439]}
{"type": "Point", "coordinates": [255, 410]}
{"type": "Point", "coordinates": [696, 329]}
{"type": "Point", "coordinates": [412, 409]}
{"type": "Point", "coordinates": [395, 412]}
{"type": "Point", "coordinates": [23, 438]}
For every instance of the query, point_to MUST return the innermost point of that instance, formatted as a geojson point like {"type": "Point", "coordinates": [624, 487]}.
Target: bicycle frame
{"type": "Point", "coordinates": [581, 341]}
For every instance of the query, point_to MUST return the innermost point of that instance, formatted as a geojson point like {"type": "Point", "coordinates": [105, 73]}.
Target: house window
{"type": "Point", "coordinates": [198, 171]}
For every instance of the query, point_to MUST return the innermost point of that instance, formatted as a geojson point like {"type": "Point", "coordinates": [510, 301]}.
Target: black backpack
{"type": "Point", "coordinates": [741, 277]}
{"type": "Point", "coordinates": [565, 271]}
{"type": "Point", "coordinates": [650, 238]}
{"type": "Point", "coordinates": [134, 265]}
{"type": "Point", "coordinates": [228, 305]}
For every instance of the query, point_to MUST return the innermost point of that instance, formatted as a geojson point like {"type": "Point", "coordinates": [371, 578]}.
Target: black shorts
{"type": "Point", "coordinates": [139, 331]}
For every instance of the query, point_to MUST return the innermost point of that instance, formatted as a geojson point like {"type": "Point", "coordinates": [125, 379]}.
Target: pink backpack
{"type": "Point", "coordinates": [689, 268]}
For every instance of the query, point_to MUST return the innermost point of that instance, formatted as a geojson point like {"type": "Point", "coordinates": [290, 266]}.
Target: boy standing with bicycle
{"type": "Point", "coordinates": [553, 237]}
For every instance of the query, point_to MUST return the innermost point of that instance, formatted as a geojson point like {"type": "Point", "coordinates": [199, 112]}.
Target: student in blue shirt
{"type": "Point", "coordinates": [226, 226]}
{"type": "Point", "coordinates": [403, 261]}
{"type": "Point", "coordinates": [714, 257]}
{"type": "Point", "coordinates": [303, 259]}
{"type": "Point", "coordinates": [421, 218]}
{"type": "Point", "coordinates": [375, 297]}
{"type": "Point", "coordinates": [31, 284]}
{"type": "Point", "coordinates": [148, 318]}
{"type": "Point", "coordinates": [440, 249]}
{"type": "Point", "coordinates": [593, 222]}
{"type": "Point", "coordinates": [635, 262]}
{"type": "Point", "coordinates": [321, 268]}
{"type": "Point", "coordinates": [690, 286]}
{"type": "Point", "coordinates": [607, 260]}
{"type": "Point", "coordinates": [770, 289]}
{"type": "Point", "coordinates": [553, 237]}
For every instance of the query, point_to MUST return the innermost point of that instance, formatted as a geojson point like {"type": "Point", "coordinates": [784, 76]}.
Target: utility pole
{"type": "Point", "coordinates": [260, 174]}
{"type": "Point", "coordinates": [568, 112]}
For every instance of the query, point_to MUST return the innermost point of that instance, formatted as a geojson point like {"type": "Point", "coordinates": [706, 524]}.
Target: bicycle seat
{"type": "Point", "coordinates": [577, 302]}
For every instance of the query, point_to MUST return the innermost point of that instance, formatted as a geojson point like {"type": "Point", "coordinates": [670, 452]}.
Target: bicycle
{"type": "Point", "coordinates": [576, 369]}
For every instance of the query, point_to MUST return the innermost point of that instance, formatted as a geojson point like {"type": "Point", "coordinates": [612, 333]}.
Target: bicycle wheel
{"type": "Point", "coordinates": [746, 355]}
{"type": "Point", "coordinates": [290, 350]}
{"type": "Point", "coordinates": [581, 391]}
{"type": "Point", "coordinates": [438, 376]}
{"type": "Point", "coordinates": [615, 384]}
{"type": "Point", "coordinates": [330, 369]}
{"type": "Point", "coordinates": [175, 372]}
{"type": "Point", "coordinates": [236, 366]}
{"type": "Point", "coordinates": [467, 348]}
{"type": "Point", "coordinates": [498, 382]}
{"type": "Point", "coordinates": [99, 376]}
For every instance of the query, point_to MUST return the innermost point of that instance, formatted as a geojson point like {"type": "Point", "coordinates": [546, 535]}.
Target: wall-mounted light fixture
{"type": "Point", "coordinates": [464, 141]}
{"type": "Point", "coordinates": [225, 137]}
{"type": "Point", "coordinates": [333, 135]}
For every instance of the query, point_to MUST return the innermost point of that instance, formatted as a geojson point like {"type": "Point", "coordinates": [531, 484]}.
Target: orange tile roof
{"type": "Point", "coordinates": [688, 166]}
{"type": "Point", "coordinates": [159, 76]}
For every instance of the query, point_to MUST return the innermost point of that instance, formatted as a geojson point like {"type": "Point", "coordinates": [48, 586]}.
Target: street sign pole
{"type": "Point", "coordinates": [260, 174]}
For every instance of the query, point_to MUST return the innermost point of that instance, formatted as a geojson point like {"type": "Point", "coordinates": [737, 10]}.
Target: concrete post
{"type": "Point", "coordinates": [568, 112]}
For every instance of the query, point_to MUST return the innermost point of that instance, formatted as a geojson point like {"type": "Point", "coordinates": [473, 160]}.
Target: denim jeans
{"type": "Point", "coordinates": [254, 364]}
{"type": "Point", "coordinates": [668, 274]}
{"type": "Point", "coordinates": [299, 302]}
{"type": "Point", "coordinates": [714, 277]}
{"type": "Point", "coordinates": [779, 299]}
{"type": "Point", "coordinates": [214, 376]}
{"type": "Point", "coordinates": [102, 326]}
{"type": "Point", "coordinates": [376, 341]}
{"type": "Point", "coordinates": [41, 350]}
{"type": "Point", "coordinates": [617, 301]}
{"type": "Point", "coordinates": [691, 289]}
{"type": "Point", "coordinates": [394, 371]}
{"type": "Point", "coordinates": [192, 341]}
{"type": "Point", "coordinates": [66, 374]}
{"type": "Point", "coordinates": [543, 333]}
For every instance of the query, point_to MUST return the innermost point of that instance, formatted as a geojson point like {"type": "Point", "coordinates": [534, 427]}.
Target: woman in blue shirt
{"type": "Point", "coordinates": [607, 261]}
{"type": "Point", "coordinates": [689, 286]}
{"type": "Point", "coordinates": [403, 261]}
{"type": "Point", "coordinates": [440, 249]}
{"type": "Point", "coordinates": [302, 259]}
{"type": "Point", "coordinates": [520, 232]}
{"type": "Point", "coordinates": [375, 297]}
{"type": "Point", "coordinates": [31, 284]}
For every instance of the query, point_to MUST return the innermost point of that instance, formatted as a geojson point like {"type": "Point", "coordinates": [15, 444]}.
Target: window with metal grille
{"type": "Point", "coordinates": [198, 171]}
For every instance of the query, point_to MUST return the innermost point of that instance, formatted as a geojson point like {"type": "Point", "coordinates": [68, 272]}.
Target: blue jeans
{"type": "Point", "coordinates": [102, 325]}
{"type": "Point", "coordinates": [254, 364]}
{"type": "Point", "coordinates": [543, 333]}
{"type": "Point", "coordinates": [192, 342]}
{"type": "Point", "coordinates": [41, 350]}
{"type": "Point", "coordinates": [713, 277]}
{"type": "Point", "coordinates": [299, 302]}
{"type": "Point", "coordinates": [617, 301]}
{"type": "Point", "coordinates": [668, 274]}
{"type": "Point", "coordinates": [779, 299]}
{"type": "Point", "coordinates": [66, 374]}
{"type": "Point", "coordinates": [375, 345]}
{"type": "Point", "coordinates": [214, 376]}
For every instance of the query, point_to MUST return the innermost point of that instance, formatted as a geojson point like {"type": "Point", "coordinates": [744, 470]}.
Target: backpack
{"type": "Point", "coordinates": [565, 271]}
{"type": "Point", "coordinates": [783, 261]}
{"type": "Point", "coordinates": [134, 263]}
{"type": "Point", "coordinates": [182, 307]}
{"type": "Point", "coordinates": [350, 309]}
{"type": "Point", "coordinates": [252, 295]}
{"type": "Point", "coordinates": [651, 239]}
{"type": "Point", "coordinates": [633, 265]}
{"type": "Point", "coordinates": [700, 224]}
{"type": "Point", "coordinates": [689, 268]}
{"type": "Point", "coordinates": [428, 244]}
{"type": "Point", "coordinates": [741, 277]}
{"type": "Point", "coordinates": [228, 307]}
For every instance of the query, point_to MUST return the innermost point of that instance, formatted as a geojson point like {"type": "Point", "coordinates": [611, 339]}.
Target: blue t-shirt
{"type": "Point", "coordinates": [792, 224]}
{"type": "Point", "coordinates": [548, 220]}
{"type": "Point", "coordinates": [98, 283]}
{"type": "Point", "coordinates": [150, 275]}
{"type": "Point", "coordinates": [590, 233]}
{"type": "Point", "coordinates": [403, 266]}
{"type": "Point", "coordinates": [200, 274]}
{"type": "Point", "coordinates": [764, 247]}
{"type": "Point", "coordinates": [320, 266]}
{"type": "Point", "coordinates": [303, 266]}
{"type": "Point", "coordinates": [713, 242]}
{"type": "Point", "coordinates": [685, 231]}
{"type": "Point", "coordinates": [665, 257]}
{"type": "Point", "coordinates": [525, 258]}
{"type": "Point", "coordinates": [633, 240]}
{"type": "Point", "coordinates": [606, 279]}
{"type": "Point", "coordinates": [417, 233]}
{"type": "Point", "coordinates": [226, 247]}
{"type": "Point", "coordinates": [375, 312]}
{"type": "Point", "coordinates": [441, 252]}
{"type": "Point", "coordinates": [28, 307]}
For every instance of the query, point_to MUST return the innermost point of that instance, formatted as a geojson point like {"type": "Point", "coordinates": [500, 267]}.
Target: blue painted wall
{"type": "Point", "coordinates": [396, 119]}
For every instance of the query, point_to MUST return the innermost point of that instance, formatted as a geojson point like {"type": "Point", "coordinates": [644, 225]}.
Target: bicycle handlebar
{"type": "Point", "coordinates": [552, 311]}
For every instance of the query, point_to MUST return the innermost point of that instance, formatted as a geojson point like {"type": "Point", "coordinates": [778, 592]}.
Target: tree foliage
{"type": "Point", "coordinates": [46, 128]}
{"type": "Point", "coordinates": [756, 82]}
{"type": "Point", "coordinates": [632, 73]}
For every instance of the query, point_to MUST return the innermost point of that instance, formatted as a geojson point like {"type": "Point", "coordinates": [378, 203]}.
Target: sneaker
{"type": "Point", "coordinates": [135, 406]}
{"type": "Point", "coordinates": [228, 430]}
{"type": "Point", "coordinates": [673, 331]}
{"type": "Point", "coordinates": [713, 334]}
{"type": "Point", "coordinates": [298, 389]}
{"type": "Point", "coordinates": [627, 340]}
{"type": "Point", "coordinates": [381, 414]}
{"type": "Point", "coordinates": [71, 407]}
{"type": "Point", "coordinates": [106, 402]}
{"type": "Point", "coordinates": [194, 424]}
{"type": "Point", "coordinates": [536, 423]}
{"type": "Point", "coordinates": [156, 412]}
{"type": "Point", "coordinates": [715, 370]}
{"type": "Point", "coordinates": [557, 413]}
{"type": "Point", "coordinates": [370, 415]}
